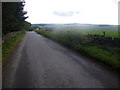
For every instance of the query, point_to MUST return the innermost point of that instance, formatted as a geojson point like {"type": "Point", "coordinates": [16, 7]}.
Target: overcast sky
{"type": "Point", "coordinates": [72, 11]}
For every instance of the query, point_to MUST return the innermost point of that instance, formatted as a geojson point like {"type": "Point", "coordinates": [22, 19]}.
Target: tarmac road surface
{"type": "Point", "coordinates": [39, 62]}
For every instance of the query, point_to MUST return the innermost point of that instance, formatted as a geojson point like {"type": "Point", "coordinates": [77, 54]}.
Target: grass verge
{"type": "Point", "coordinates": [9, 44]}
{"type": "Point", "coordinates": [83, 44]}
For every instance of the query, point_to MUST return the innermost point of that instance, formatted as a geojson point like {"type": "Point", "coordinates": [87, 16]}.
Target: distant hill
{"type": "Point", "coordinates": [77, 26]}
{"type": "Point", "coordinates": [41, 24]}
{"type": "Point", "coordinates": [73, 24]}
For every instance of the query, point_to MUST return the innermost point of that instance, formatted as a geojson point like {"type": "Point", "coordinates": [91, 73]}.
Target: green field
{"type": "Point", "coordinates": [110, 30]}
{"type": "Point", "coordinates": [109, 33]}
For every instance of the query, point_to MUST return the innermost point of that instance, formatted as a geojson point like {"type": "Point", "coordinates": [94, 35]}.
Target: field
{"type": "Point", "coordinates": [110, 30]}
{"type": "Point", "coordinates": [102, 49]}
{"type": "Point", "coordinates": [109, 33]}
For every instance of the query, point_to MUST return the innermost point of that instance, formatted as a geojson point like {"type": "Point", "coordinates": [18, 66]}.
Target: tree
{"type": "Point", "coordinates": [27, 25]}
{"type": "Point", "coordinates": [13, 18]}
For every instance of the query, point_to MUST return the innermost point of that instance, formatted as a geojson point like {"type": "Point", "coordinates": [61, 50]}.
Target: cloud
{"type": "Point", "coordinates": [77, 12]}
{"type": "Point", "coordinates": [73, 11]}
{"type": "Point", "coordinates": [63, 13]}
{"type": "Point", "coordinates": [116, 1]}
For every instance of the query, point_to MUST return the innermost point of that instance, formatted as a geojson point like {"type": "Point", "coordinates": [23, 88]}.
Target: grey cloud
{"type": "Point", "coordinates": [77, 12]}
{"type": "Point", "coordinates": [65, 14]}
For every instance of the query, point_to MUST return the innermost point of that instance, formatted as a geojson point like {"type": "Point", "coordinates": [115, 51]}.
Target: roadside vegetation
{"type": "Point", "coordinates": [102, 48]}
{"type": "Point", "coordinates": [14, 26]}
{"type": "Point", "coordinates": [9, 43]}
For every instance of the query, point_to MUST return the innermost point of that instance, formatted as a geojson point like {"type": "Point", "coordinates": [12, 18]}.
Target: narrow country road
{"type": "Point", "coordinates": [42, 63]}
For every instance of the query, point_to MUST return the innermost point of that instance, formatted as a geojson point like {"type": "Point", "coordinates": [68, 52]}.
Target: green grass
{"type": "Point", "coordinates": [45, 33]}
{"type": "Point", "coordinates": [9, 44]}
{"type": "Point", "coordinates": [81, 43]}
{"type": "Point", "coordinates": [103, 55]}
{"type": "Point", "coordinates": [109, 33]}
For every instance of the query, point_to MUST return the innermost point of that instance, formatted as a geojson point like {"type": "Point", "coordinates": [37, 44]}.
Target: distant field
{"type": "Point", "coordinates": [109, 33]}
{"type": "Point", "coordinates": [110, 30]}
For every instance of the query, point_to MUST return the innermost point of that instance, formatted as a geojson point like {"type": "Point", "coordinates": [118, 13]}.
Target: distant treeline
{"type": "Point", "coordinates": [41, 24]}
{"type": "Point", "coordinates": [13, 18]}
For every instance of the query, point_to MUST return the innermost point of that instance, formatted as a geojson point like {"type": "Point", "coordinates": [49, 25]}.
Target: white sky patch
{"type": "Point", "coordinates": [72, 11]}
